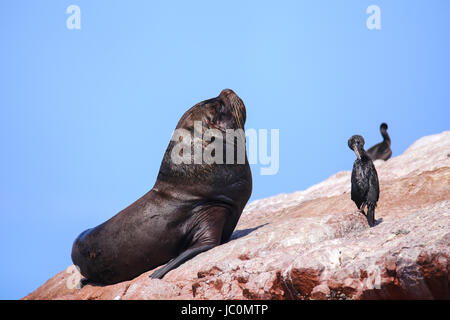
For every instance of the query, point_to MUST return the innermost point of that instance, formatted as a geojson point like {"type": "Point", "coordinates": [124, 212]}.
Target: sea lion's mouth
{"type": "Point", "coordinates": [234, 105]}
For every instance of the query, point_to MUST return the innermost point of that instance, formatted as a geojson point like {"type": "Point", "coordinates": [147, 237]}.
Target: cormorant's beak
{"type": "Point", "coordinates": [355, 148]}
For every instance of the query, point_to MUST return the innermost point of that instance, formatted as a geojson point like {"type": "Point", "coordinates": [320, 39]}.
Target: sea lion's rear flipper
{"type": "Point", "coordinates": [206, 234]}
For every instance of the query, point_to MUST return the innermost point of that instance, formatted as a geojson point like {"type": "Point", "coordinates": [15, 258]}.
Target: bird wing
{"type": "Point", "coordinates": [374, 187]}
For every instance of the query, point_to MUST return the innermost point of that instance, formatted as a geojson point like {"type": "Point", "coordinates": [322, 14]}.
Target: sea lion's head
{"type": "Point", "coordinates": [226, 111]}
{"type": "Point", "coordinates": [208, 142]}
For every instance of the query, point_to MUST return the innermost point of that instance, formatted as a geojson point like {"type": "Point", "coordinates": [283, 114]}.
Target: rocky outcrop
{"type": "Point", "coordinates": [313, 244]}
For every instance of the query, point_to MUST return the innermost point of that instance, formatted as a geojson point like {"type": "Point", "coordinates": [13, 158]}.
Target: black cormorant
{"type": "Point", "coordinates": [381, 150]}
{"type": "Point", "coordinates": [365, 187]}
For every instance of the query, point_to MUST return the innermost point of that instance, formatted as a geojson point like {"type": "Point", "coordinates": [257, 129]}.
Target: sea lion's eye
{"type": "Point", "coordinates": [221, 107]}
{"type": "Point", "coordinates": [212, 116]}
{"type": "Point", "coordinates": [218, 116]}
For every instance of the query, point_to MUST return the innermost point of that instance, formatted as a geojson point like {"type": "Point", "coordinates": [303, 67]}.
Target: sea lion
{"type": "Point", "coordinates": [381, 150]}
{"type": "Point", "coordinates": [191, 208]}
{"type": "Point", "coordinates": [365, 188]}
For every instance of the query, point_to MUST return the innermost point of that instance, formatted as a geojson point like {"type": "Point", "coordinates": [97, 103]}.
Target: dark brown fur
{"type": "Point", "coordinates": [190, 209]}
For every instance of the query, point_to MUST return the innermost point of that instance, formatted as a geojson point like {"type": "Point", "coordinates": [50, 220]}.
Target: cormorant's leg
{"type": "Point", "coordinates": [362, 207]}
{"type": "Point", "coordinates": [206, 234]}
{"type": "Point", "coordinates": [371, 215]}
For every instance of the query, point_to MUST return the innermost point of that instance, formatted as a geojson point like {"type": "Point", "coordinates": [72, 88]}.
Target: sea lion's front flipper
{"type": "Point", "coordinates": [183, 257]}
{"type": "Point", "coordinates": [206, 234]}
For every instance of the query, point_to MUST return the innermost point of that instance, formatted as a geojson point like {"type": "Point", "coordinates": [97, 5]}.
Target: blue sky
{"type": "Point", "coordinates": [85, 115]}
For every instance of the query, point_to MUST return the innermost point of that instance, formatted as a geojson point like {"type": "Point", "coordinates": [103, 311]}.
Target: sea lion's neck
{"type": "Point", "coordinates": [168, 190]}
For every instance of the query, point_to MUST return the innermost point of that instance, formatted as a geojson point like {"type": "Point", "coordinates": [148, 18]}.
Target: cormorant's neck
{"type": "Point", "coordinates": [364, 156]}
{"type": "Point", "coordinates": [361, 153]}
{"type": "Point", "coordinates": [385, 136]}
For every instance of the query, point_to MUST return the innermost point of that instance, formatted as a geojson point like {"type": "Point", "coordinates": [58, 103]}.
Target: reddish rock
{"type": "Point", "coordinates": [312, 244]}
{"type": "Point", "coordinates": [320, 292]}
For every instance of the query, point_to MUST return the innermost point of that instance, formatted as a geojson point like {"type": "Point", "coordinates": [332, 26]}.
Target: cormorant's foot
{"type": "Point", "coordinates": [377, 222]}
